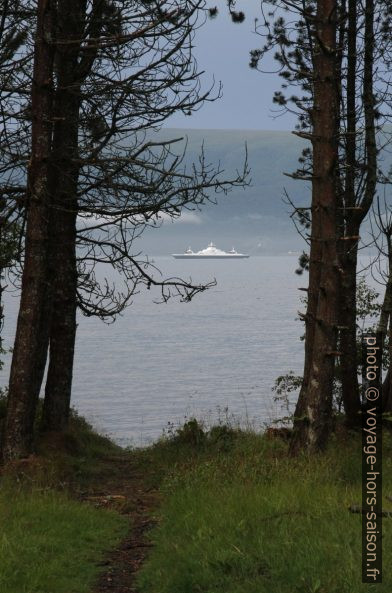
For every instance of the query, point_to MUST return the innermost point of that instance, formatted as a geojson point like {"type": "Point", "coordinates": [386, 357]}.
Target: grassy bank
{"type": "Point", "coordinates": [235, 515]}
{"type": "Point", "coordinates": [240, 517]}
{"type": "Point", "coordinates": [51, 544]}
{"type": "Point", "coordinates": [52, 541]}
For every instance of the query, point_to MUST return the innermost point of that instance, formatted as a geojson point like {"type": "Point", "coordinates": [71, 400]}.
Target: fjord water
{"type": "Point", "coordinates": [162, 363]}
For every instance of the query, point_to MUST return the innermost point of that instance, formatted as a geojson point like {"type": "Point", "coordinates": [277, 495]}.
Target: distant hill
{"type": "Point", "coordinates": [254, 219]}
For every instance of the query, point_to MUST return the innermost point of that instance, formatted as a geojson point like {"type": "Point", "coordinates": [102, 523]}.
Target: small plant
{"type": "Point", "coordinates": [191, 433]}
{"type": "Point", "coordinates": [285, 385]}
{"type": "Point", "coordinates": [195, 434]}
{"type": "Point", "coordinates": [3, 407]}
{"type": "Point", "coordinates": [222, 436]}
{"type": "Point", "coordinates": [368, 309]}
{"type": "Point", "coordinates": [3, 402]}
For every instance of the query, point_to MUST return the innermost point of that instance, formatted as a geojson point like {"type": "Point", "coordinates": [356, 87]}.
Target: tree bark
{"type": "Point", "coordinates": [313, 413]}
{"type": "Point", "coordinates": [63, 269]}
{"type": "Point", "coordinates": [385, 321]}
{"type": "Point", "coordinates": [348, 334]}
{"type": "Point", "coordinates": [350, 389]}
{"type": "Point", "coordinates": [23, 394]}
{"type": "Point", "coordinates": [387, 384]}
{"type": "Point", "coordinates": [73, 66]}
{"type": "Point", "coordinates": [2, 267]}
{"type": "Point", "coordinates": [349, 246]}
{"type": "Point", "coordinates": [63, 312]}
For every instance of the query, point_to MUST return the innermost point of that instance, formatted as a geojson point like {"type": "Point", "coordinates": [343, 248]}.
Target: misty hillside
{"type": "Point", "coordinates": [254, 219]}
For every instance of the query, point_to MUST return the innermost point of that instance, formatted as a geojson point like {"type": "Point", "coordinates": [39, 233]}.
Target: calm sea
{"type": "Point", "coordinates": [163, 363]}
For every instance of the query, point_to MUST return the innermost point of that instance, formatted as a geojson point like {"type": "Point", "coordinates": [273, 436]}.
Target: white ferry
{"type": "Point", "coordinates": [210, 252]}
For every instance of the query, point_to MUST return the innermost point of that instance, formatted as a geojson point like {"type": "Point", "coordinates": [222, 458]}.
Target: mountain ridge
{"type": "Point", "coordinates": [255, 218]}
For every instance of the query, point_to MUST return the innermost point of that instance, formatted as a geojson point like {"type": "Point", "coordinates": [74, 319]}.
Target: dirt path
{"type": "Point", "coordinates": [122, 486]}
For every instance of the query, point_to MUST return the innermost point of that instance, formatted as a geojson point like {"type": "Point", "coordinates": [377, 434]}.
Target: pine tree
{"type": "Point", "coordinates": [119, 71]}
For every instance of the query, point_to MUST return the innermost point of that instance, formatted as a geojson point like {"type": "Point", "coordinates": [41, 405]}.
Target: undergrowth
{"type": "Point", "coordinates": [50, 541]}
{"type": "Point", "coordinates": [245, 518]}
{"type": "Point", "coordinates": [238, 515]}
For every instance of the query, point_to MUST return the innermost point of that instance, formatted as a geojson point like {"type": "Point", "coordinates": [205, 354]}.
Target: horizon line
{"type": "Point", "coordinates": [225, 129]}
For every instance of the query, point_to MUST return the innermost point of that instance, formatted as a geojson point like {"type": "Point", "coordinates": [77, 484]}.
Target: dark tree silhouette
{"type": "Point", "coordinates": [18, 430]}
{"type": "Point", "coordinates": [306, 49]}
{"type": "Point", "coordinates": [361, 110]}
{"type": "Point", "coordinates": [119, 71]}
{"type": "Point", "coordinates": [12, 37]}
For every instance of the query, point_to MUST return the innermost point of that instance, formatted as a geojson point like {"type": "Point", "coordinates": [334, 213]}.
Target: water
{"type": "Point", "coordinates": [161, 363]}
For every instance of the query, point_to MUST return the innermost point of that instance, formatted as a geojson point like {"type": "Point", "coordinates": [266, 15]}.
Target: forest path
{"type": "Point", "coordinates": [123, 485]}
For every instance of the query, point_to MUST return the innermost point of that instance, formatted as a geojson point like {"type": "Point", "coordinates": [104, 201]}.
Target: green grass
{"type": "Point", "coordinates": [77, 457]}
{"type": "Point", "coordinates": [243, 518]}
{"type": "Point", "coordinates": [51, 544]}
{"type": "Point", "coordinates": [237, 515]}
{"type": "Point", "coordinates": [49, 541]}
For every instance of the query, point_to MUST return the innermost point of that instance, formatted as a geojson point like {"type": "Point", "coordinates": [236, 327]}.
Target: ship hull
{"type": "Point", "coordinates": [194, 256]}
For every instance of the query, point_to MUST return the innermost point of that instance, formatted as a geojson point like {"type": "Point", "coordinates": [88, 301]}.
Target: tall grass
{"type": "Point", "coordinates": [247, 519]}
{"type": "Point", "coordinates": [51, 544]}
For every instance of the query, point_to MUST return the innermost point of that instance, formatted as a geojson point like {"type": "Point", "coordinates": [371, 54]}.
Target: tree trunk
{"type": "Point", "coordinates": [2, 266]}
{"type": "Point", "coordinates": [351, 397]}
{"type": "Point", "coordinates": [348, 245]}
{"type": "Point", "coordinates": [312, 423]}
{"type": "Point", "coordinates": [23, 394]}
{"type": "Point", "coordinates": [387, 384]}
{"type": "Point", "coordinates": [385, 319]}
{"type": "Point", "coordinates": [63, 236]}
{"type": "Point", "coordinates": [348, 334]}
{"type": "Point", "coordinates": [63, 329]}
{"type": "Point", "coordinates": [63, 314]}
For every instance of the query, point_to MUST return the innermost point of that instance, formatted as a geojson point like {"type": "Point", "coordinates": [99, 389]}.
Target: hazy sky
{"type": "Point", "coordinates": [222, 50]}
